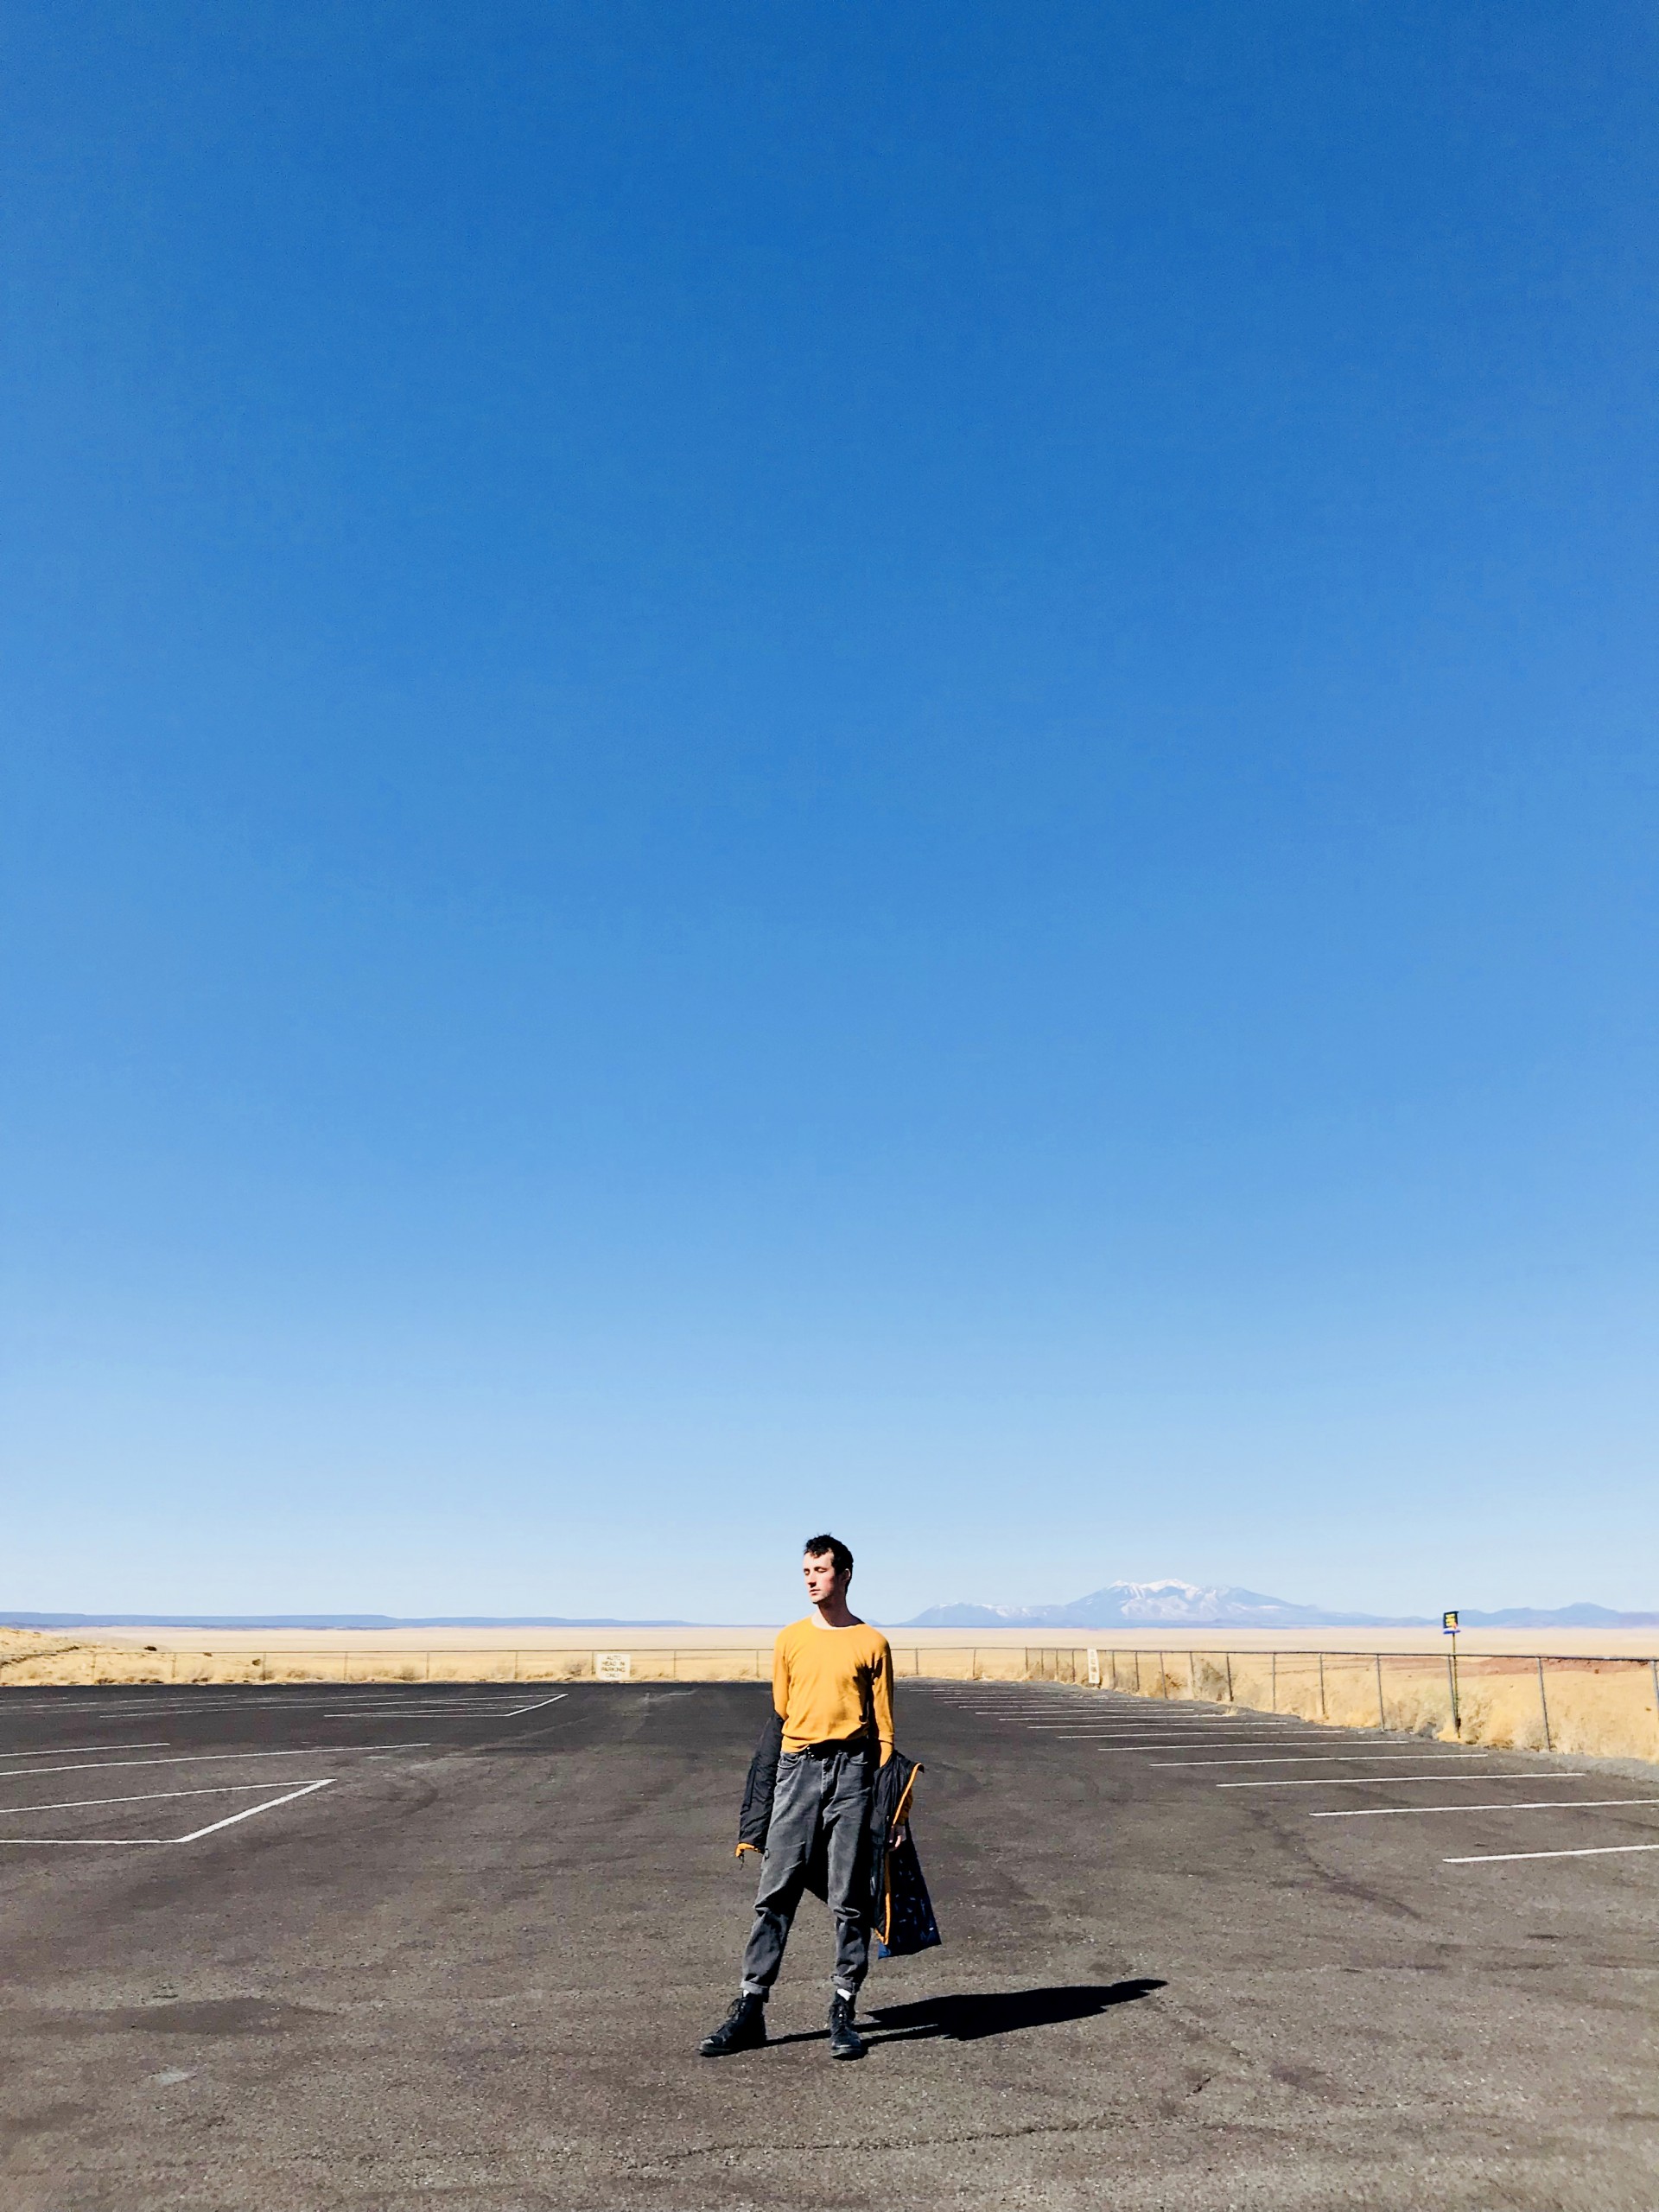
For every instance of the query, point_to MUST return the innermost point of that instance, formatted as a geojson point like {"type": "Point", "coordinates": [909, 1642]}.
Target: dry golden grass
{"type": "Point", "coordinates": [1606, 1708]}
{"type": "Point", "coordinates": [35, 1655]}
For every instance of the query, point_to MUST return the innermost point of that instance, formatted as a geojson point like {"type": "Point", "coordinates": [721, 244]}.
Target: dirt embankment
{"type": "Point", "coordinates": [29, 1654]}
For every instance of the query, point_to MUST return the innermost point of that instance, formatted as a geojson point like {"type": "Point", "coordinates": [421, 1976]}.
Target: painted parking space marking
{"type": "Point", "coordinates": [1211, 1728]}
{"type": "Point", "coordinates": [1330, 1759]}
{"type": "Point", "coordinates": [64, 1751]}
{"type": "Point", "coordinates": [1049, 1716]}
{"type": "Point", "coordinates": [1591, 1851]}
{"type": "Point", "coordinates": [435, 1709]}
{"type": "Point", "coordinates": [1389, 1781]}
{"type": "Point", "coordinates": [1182, 1743]}
{"type": "Point", "coordinates": [260, 1697]}
{"type": "Point", "coordinates": [199, 1758]}
{"type": "Point", "coordinates": [1196, 1731]}
{"type": "Point", "coordinates": [144, 1842]}
{"type": "Point", "coordinates": [1521, 1805]}
{"type": "Point", "coordinates": [415, 1701]}
{"type": "Point", "coordinates": [1165, 1744]}
{"type": "Point", "coordinates": [140, 1797]}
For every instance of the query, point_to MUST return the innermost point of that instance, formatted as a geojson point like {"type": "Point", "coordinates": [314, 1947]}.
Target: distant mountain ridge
{"type": "Point", "coordinates": [312, 1620]}
{"type": "Point", "coordinates": [1579, 1615]}
{"type": "Point", "coordinates": [1163, 1603]}
{"type": "Point", "coordinates": [1192, 1604]}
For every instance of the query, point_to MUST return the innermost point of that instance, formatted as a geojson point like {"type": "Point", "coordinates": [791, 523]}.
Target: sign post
{"type": "Point", "coordinates": [1449, 1627]}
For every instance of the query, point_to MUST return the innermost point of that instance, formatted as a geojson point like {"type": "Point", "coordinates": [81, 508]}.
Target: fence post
{"type": "Point", "coordinates": [1273, 1682]}
{"type": "Point", "coordinates": [1543, 1704]}
{"type": "Point", "coordinates": [1228, 1656]}
{"type": "Point", "coordinates": [1382, 1717]}
{"type": "Point", "coordinates": [1163, 1678]}
{"type": "Point", "coordinates": [1452, 1684]}
{"type": "Point", "coordinates": [1135, 1655]}
{"type": "Point", "coordinates": [1654, 1664]}
{"type": "Point", "coordinates": [1323, 1715]}
{"type": "Point", "coordinates": [1192, 1675]}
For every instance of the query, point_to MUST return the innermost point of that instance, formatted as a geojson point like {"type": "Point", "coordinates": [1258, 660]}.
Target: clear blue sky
{"type": "Point", "coordinates": [841, 765]}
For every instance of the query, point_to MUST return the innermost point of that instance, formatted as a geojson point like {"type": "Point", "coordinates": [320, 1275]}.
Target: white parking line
{"type": "Point", "coordinates": [1521, 1805]}
{"type": "Point", "coordinates": [131, 1842]}
{"type": "Point", "coordinates": [326, 1708]}
{"type": "Point", "coordinates": [1330, 1759]}
{"type": "Point", "coordinates": [431, 1711]}
{"type": "Point", "coordinates": [201, 1758]}
{"type": "Point", "coordinates": [1247, 1732]}
{"type": "Point", "coordinates": [157, 1696]}
{"type": "Point", "coordinates": [1135, 1750]}
{"type": "Point", "coordinates": [140, 1797]}
{"type": "Point", "coordinates": [1593, 1851]}
{"type": "Point", "coordinates": [538, 1707]}
{"type": "Point", "coordinates": [254, 1811]}
{"type": "Point", "coordinates": [1158, 1718]}
{"type": "Point", "coordinates": [63, 1751]}
{"type": "Point", "coordinates": [144, 1711]}
{"type": "Point", "coordinates": [1386, 1781]}
{"type": "Point", "coordinates": [1181, 1743]}
{"type": "Point", "coordinates": [418, 1698]}
{"type": "Point", "coordinates": [269, 1696]}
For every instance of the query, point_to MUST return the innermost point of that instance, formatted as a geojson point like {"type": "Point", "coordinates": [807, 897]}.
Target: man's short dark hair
{"type": "Point", "coordinates": [840, 1558]}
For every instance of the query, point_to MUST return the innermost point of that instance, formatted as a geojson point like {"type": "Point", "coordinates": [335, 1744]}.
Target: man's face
{"type": "Point", "coordinates": [823, 1583]}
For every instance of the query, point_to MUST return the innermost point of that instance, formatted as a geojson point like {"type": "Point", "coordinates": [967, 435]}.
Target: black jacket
{"type": "Point", "coordinates": [902, 1914]}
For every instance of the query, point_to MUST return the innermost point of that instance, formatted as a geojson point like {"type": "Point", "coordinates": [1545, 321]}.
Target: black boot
{"type": "Point", "coordinates": [845, 2041]}
{"type": "Point", "coordinates": [744, 2028]}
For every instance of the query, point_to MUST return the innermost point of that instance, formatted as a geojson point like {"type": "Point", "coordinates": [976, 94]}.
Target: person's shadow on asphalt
{"type": "Point", "coordinates": [1001, 2013]}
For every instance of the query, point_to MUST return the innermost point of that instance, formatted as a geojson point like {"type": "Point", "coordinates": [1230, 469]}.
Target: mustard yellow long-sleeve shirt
{"type": "Point", "coordinates": [830, 1683]}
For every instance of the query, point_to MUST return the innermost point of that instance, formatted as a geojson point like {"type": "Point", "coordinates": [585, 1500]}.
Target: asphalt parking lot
{"type": "Point", "coordinates": [287, 1950]}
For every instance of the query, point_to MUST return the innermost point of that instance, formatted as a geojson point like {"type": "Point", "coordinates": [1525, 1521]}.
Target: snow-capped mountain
{"type": "Point", "coordinates": [1145, 1605]}
{"type": "Point", "coordinates": [1157, 1604]}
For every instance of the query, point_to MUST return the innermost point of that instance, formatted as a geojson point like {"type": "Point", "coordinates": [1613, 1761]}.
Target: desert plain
{"type": "Point", "coordinates": [1591, 1691]}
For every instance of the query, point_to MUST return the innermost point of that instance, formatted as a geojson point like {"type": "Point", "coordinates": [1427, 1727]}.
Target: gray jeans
{"type": "Point", "coordinates": [820, 1792]}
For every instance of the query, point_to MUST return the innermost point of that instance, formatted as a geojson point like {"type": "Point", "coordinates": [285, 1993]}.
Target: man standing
{"type": "Point", "coordinates": [832, 1688]}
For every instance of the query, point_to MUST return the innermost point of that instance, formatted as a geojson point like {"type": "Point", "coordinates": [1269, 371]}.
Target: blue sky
{"type": "Point", "coordinates": [879, 768]}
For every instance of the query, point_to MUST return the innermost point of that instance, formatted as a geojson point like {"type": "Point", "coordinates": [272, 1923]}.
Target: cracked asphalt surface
{"type": "Point", "coordinates": [469, 1967]}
